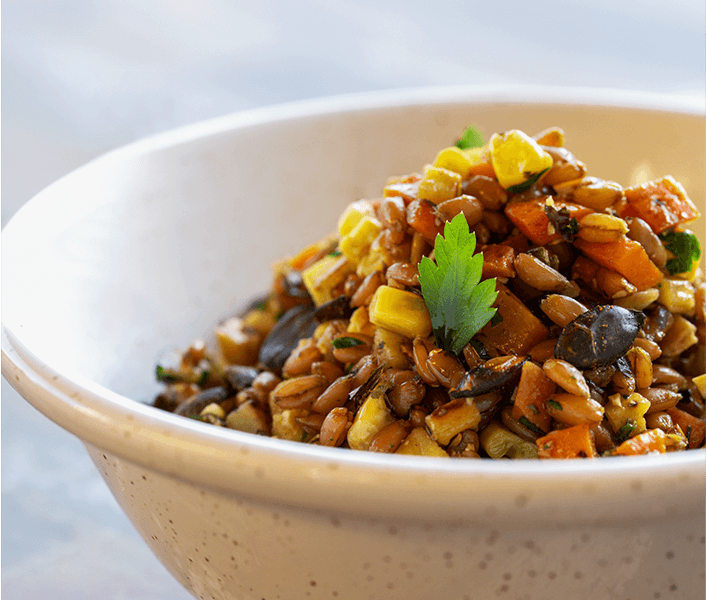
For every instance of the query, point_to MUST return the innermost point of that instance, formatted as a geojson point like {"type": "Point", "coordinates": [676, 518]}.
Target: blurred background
{"type": "Point", "coordinates": [80, 77]}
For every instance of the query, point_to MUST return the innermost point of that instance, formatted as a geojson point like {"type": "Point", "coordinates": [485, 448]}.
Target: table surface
{"type": "Point", "coordinates": [80, 78]}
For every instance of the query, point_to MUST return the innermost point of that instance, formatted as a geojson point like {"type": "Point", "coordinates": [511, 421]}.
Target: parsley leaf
{"type": "Point", "coordinates": [624, 432]}
{"type": "Point", "coordinates": [525, 185]}
{"type": "Point", "coordinates": [459, 304]}
{"type": "Point", "coordinates": [685, 247]}
{"type": "Point", "coordinates": [346, 342]}
{"type": "Point", "coordinates": [471, 138]}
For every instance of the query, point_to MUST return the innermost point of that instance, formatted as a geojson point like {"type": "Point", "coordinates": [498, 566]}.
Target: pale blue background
{"type": "Point", "coordinates": [80, 77]}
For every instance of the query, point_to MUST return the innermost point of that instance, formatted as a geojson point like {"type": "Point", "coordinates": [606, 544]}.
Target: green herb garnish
{"type": "Point", "coordinates": [554, 404]}
{"type": "Point", "coordinates": [335, 253]}
{"type": "Point", "coordinates": [166, 375]}
{"type": "Point", "coordinates": [521, 187]}
{"type": "Point", "coordinates": [624, 432]}
{"type": "Point", "coordinates": [685, 247]}
{"type": "Point", "coordinates": [346, 342]}
{"type": "Point", "coordinates": [471, 138]}
{"type": "Point", "coordinates": [531, 426]}
{"type": "Point", "coordinates": [459, 303]}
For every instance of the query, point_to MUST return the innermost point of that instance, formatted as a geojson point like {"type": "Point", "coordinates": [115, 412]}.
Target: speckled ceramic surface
{"type": "Point", "coordinates": [151, 245]}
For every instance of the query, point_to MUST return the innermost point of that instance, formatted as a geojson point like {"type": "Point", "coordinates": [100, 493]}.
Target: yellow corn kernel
{"type": "Point", "coordinates": [517, 158]}
{"type": "Point", "coordinates": [239, 344]}
{"type": "Point", "coordinates": [324, 275]}
{"type": "Point", "coordinates": [388, 348]}
{"type": "Point", "coordinates": [261, 320]}
{"type": "Point", "coordinates": [677, 296]}
{"type": "Point", "coordinates": [373, 261]}
{"type": "Point", "coordinates": [285, 426]}
{"type": "Point", "coordinates": [700, 383]}
{"type": "Point", "coordinates": [419, 443]}
{"type": "Point", "coordinates": [400, 311]}
{"type": "Point", "coordinates": [498, 441]}
{"type": "Point", "coordinates": [353, 213]}
{"type": "Point", "coordinates": [356, 243]}
{"type": "Point", "coordinates": [360, 322]}
{"type": "Point", "coordinates": [452, 418]}
{"type": "Point", "coordinates": [621, 411]}
{"type": "Point", "coordinates": [453, 159]}
{"type": "Point", "coordinates": [371, 417]}
{"type": "Point", "coordinates": [439, 184]}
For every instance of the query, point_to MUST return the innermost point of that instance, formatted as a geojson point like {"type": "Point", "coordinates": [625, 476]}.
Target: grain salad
{"type": "Point", "coordinates": [501, 303]}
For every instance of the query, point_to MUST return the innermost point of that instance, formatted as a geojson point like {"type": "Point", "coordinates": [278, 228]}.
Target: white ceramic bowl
{"type": "Point", "coordinates": [150, 245]}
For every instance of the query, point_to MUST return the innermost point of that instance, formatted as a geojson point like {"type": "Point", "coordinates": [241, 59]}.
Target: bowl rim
{"type": "Point", "coordinates": [176, 447]}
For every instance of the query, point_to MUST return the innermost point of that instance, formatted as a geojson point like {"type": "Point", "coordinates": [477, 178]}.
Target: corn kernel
{"type": "Point", "coordinates": [373, 261]}
{"type": "Point", "coordinates": [286, 427]}
{"type": "Point", "coordinates": [371, 417]}
{"type": "Point", "coordinates": [356, 243]}
{"type": "Point", "coordinates": [353, 213]}
{"type": "Point", "coordinates": [453, 159]}
{"type": "Point", "coordinates": [400, 311]}
{"type": "Point", "coordinates": [419, 443]}
{"type": "Point", "coordinates": [700, 383]}
{"type": "Point", "coordinates": [239, 345]}
{"type": "Point", "coordinates": [439, 184]}
{"type": "Point", "coordinates": [324, 275]}
{"type": "Point", "coordinates": [517, 158]}
{"type": "Point", "coordinates": [677, 296]}
{"type": "Point", "coordinates": [388, 348]}
{"type": "Point", "coordinates": [621, 412]}
{"type": "Point", "coordinates": [360, 322]}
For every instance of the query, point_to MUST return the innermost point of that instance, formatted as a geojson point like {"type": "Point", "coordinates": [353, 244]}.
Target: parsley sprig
{"type": "Point", "coordinates": [459, 303]}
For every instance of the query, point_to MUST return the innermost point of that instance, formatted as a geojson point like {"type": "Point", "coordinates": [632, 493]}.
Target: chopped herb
{"type": "Point", "coordinates": [166, 375]}
{"type": "Point", "coordinates": [261, 305]}
{"type": "Point", "coordinates": [471, 138]}
{"type": "Point", "coordinates": [686, 249]}
{"type": "Point", "coordinates": [554, 404]}
{"type": "Point", "coordinates": [521, 187]}
{"type": "Point", "coordinates": [459, 303]}
{"type": "Point", "coordinates": [203, 378]}
{"type": "Point", "coordinates": [346, 342]}
{"type": "Point", "coordinates": [563, 222]}
{"type": "Point", "coordinates": [531, 426]}
{"type": "Point", "coordinates": [625, 431]}
{"type": "Point", "coordinates": [335, 253]}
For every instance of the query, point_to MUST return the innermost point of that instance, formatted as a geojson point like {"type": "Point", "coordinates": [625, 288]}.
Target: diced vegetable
{"type": "Point", "coordinates": [239, 344]}
{"type": "Point", "coordinates": [453, 159]}
{"type": "Point", "coordinates": [388, 347]}
{"type": "Point", "coordinates": [452, 418]}
{"type": "Point", "coordinates": [662, 204]}
{"type": "Point", "coordinates": [517, 330]}
{"type": "Point", "coordinates": [400, 311]}
{"type": "Point", "coordinates": [572, 442]}
{"type": "Point", "coordinates": [439, 184]}
{"type": "Point", "coordinates": [532, 220]}
{"type": "Point", "coordinates": [517, 158]}
{"type": "Point", "coordinates": [353, 214]}
{"type": "Point", "coordinates": [419, 443]}
{"type": "Point", "coordinates": [531, 398]}
{"type": "Point", "coordinates": [323, 246]}
{"type": "Point", "coordinates": [694, 429]}
{"type": "Point", "coordinates": [324, 275]}
{"type": "Point", "coordinates": [371, 417]}
{"type": "Point", "coordinates": [627, 257]}
{"type": "Point", "coordinates": [421, 216]}
{"type": "Point", "coordinates": [677, 296]}
{"type": "Point", "coordinates": [498, 441]}
{"type": "Point", "coordinates": [627, 415]}
{"type": "Point", "coordinates": [653, 440]}
{"type": "Point", "coordinates": [480, 162]}
{"type": "Point", "coordinates": [356, 243]}
{"type": "Point", "coordinates": [498, 261]}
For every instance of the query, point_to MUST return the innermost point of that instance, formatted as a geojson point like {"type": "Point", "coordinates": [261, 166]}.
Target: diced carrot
{"type": "Point", "coordinates": [421, 216]}
{"type": "Point", "coordinates": [652, 440]}
{"type": "Point", "coordinates": [693, 427]}
{"type": "Point", "coordinates": [313, 251]}
{"type": "Point", "coordinates": [585, 269]}
{"type": "Point", "coordinates": [572, 442]}
{"type": "Point", "coordinates": [498, 261]}
{"type": "Point", "coordinates": [627, 257]}
{"type": "Point", "coordinates": [405, 187]}
{"type": "Point", "coordinates": [531, 398]}
{"type": "Point", "coordinates": [480, 162]}
{"type": "Point", "coordinates": [662, 204]}
{"type": "Point", "coordinates": [529, 217]}
{"type": "Point", "coordinates": [518, 241]}
{"type": "Point", "coordinates": [518, 330]}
